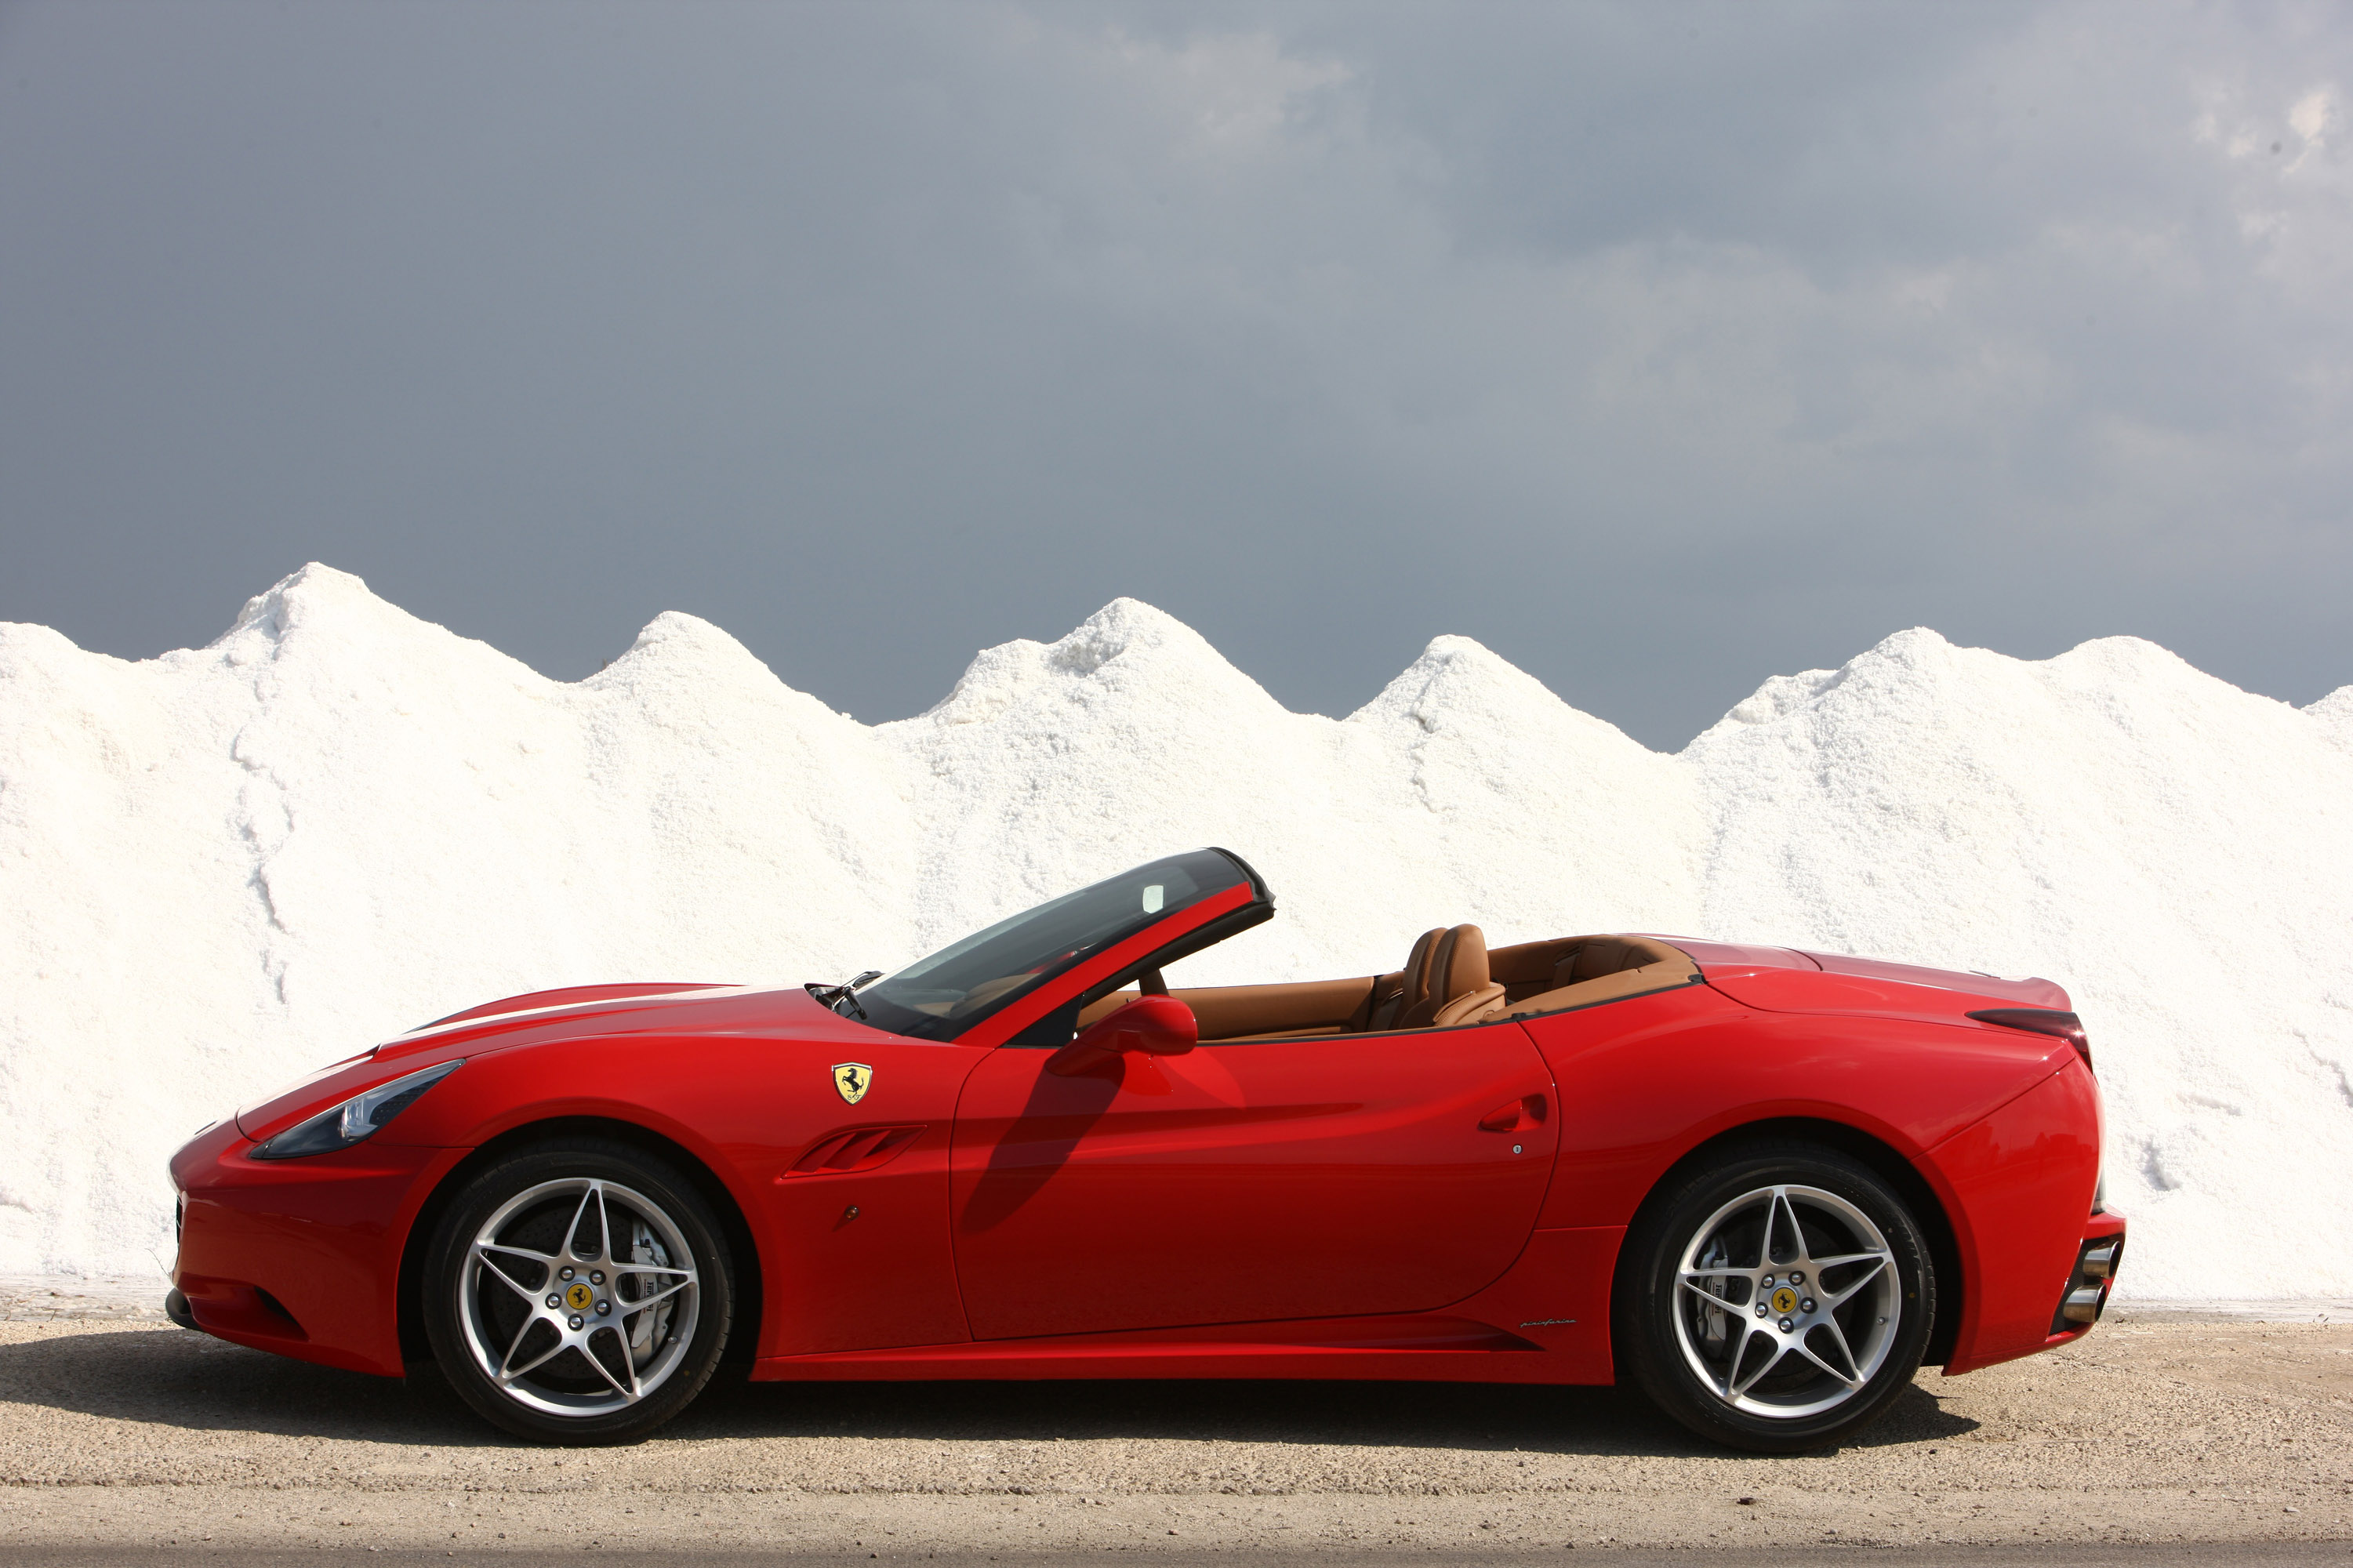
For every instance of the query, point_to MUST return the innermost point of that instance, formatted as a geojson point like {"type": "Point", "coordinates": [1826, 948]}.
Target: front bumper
{"type": "Point", "coordinates": [300, 1257]}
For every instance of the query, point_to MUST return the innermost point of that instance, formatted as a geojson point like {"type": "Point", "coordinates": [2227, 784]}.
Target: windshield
{"type": "Point", "coordinates": [939, 997]}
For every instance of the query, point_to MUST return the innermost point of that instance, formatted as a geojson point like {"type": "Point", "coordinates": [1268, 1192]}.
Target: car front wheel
{"type": "Point", "coordinates": [578, 1292]}
{"type": "Point", "coordinates": [1780, 1298]}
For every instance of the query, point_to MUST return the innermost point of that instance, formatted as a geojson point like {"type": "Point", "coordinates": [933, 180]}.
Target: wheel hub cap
{"type": "Point", "coordinates": [1787, 1302]}
{"type": "Point", "coordinates": [578, 1297]}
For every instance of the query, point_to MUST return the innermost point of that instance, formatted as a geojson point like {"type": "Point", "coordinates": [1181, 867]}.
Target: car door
{"type": "Point", "coordinates": [1253, 1181]}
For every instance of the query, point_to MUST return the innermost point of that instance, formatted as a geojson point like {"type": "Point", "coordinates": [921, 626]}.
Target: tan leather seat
{"type": "Point", "coordinates": [1412, 988]}
{"type": "Point", "coordinates": [1460, 987]}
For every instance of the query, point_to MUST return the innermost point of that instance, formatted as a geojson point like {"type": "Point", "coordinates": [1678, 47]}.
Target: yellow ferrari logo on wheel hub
{"type": "Point", "coordinates": [1785, 1300]}
{"type": "Point", "coordinates": [579, 1297]}
{"type": "Point", "coordinates": [853, 1079]}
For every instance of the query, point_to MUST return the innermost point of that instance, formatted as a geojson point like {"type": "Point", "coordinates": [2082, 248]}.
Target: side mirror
{"type": "Point", "coordinates": [1149, 1026]}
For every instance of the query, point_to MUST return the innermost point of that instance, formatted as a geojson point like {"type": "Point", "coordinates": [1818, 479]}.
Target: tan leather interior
{"type": "Point", "coordinates": [1451, 978]}
{"type": "Point", "coordinates": [1579, 970]}
{"type": "Point", "coordinates": [1468, 1006]}
{"type": "Point", "coordinates": [1458, 969]}
{"type": "Point", "coordinates": [1393, 995]}
{"type": "Point", "coordinates": [1226, 1012]}
{"type": "Point", "coordinates": [1462, 966]}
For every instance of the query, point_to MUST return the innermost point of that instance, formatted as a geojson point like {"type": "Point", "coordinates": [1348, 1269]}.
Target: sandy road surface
{"type": "Point", "coordinates": [126, 1433]}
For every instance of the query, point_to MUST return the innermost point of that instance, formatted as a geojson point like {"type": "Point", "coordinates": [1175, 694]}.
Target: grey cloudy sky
{"type": "Point", "coordinates": [1660, 348]}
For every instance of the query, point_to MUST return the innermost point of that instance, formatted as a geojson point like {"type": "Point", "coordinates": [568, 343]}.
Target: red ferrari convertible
{"type": "Point", "coordinates": [1765, 1185]}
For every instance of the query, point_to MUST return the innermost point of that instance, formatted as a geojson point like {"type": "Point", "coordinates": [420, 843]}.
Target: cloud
{"type": "Point", "coordinates": [1650, 348]}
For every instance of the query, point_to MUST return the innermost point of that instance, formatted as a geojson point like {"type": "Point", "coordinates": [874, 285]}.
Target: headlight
{"type": "Point", "coordinates": [356, 1120]}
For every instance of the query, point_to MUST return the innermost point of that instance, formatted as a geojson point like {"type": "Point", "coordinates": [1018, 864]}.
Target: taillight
{"type": "Point", "coordinates": [2041, 1021]}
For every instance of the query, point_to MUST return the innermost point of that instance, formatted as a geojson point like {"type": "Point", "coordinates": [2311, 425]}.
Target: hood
{"type": "Point", "coordinates": [572, 996]}
{"type": "Point", "coordinates": [539, 1016]}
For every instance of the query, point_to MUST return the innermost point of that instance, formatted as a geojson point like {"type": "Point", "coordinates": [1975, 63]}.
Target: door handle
{"type": "Point", "coordinates": [1518, 1116]}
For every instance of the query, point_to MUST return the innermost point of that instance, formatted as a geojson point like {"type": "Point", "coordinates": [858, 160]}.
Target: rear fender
{"type": "Point", "coordinates": [1646, 1081]}
{"type": "Point", "coordinates": [2020, 1182]}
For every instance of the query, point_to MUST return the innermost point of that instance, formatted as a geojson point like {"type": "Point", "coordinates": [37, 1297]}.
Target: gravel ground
{"type": "Point", "coordinates": [115, 1430]}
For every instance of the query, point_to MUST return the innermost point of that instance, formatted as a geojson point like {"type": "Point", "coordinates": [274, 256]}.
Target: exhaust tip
{"type": "Point", "coordinates": [2086, 1296]}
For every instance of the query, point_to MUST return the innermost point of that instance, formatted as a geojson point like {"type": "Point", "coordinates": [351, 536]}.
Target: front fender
{"type": "Point", "coordinates": [748, 1107]}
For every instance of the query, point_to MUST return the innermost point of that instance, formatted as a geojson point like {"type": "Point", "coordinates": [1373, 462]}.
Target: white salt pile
{"type": "Point", "coordinates": [223, 867]}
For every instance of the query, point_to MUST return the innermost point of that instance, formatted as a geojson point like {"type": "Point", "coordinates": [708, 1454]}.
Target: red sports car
{"type": "Point", "coordinates": [1765, 1185]}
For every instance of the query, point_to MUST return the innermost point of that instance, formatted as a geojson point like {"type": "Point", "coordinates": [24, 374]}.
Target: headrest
{"type": "Point", "coordinates": [1417, 967]}
{"type": "Point", "coordinates": [1461, 964]}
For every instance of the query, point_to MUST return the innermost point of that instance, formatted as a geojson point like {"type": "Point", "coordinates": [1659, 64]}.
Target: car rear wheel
{"type": "Point", "coordinates": [1778, 1298]}
{"type": "Point", "coordinates": [578, 1292]}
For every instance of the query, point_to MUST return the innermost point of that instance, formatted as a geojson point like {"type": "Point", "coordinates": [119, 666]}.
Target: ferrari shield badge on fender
{"type": "Point", "coordinates": [853, 1080]}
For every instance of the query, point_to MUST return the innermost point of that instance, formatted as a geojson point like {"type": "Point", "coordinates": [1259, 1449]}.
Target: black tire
{"type": "Point", "coordinates": [1748, 1356]}
{"type": "Point", "coordinates": [551, 1246]}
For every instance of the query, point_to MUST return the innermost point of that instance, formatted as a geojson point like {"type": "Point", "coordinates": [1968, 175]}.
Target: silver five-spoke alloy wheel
{"type": "Point", "coordinates": [1787, 1302]}
{"type": "Point", "coordinates": [578, 1297]}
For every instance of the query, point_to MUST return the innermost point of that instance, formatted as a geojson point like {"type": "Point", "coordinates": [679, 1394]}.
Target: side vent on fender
{"type": "Point", "coordinates": [860, 1148]}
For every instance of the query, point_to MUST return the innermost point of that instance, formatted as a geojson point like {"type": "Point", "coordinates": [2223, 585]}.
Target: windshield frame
{"type": "Point", "coordinates": [1240, 904]}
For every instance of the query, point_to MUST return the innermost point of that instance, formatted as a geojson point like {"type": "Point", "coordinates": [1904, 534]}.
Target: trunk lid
{"type": "Point", "coordinates": [1792, 980]}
